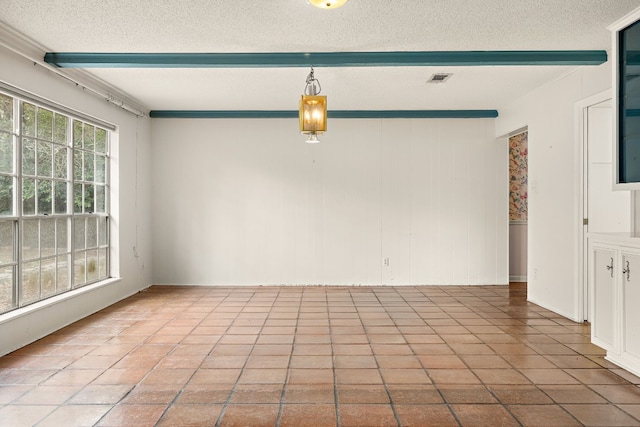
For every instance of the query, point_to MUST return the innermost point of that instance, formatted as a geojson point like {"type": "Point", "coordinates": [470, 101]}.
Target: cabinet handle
{"type": "Point", "coordinates": [627, 271]}
{"type": "Point", "coordinates": [610, 267]}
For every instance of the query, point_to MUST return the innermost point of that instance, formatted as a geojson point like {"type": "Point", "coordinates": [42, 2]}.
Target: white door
{"type": "Point", "coordinates": [605, 210]}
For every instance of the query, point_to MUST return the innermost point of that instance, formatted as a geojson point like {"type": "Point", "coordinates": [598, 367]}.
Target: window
{"type": "Point", "coordinates": [54, 192]}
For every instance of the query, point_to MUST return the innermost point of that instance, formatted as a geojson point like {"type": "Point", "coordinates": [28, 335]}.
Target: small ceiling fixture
{"type": "Point", "coordinates": [439, 78]}
{"type": "Point", "coordinates": [313, 110]}
{"type": "Point", "coordinates": [327, 4]}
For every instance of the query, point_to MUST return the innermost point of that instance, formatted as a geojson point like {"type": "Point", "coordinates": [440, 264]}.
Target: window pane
{"type": "Point", "coordinates": [92, 265]}
{"type": "Point", "coordinates": [92, 232]}
{"type": "Point", "coordinates": [60, 201]}
{"type": "Point", "coordinates": [77, 165]}
{"type": "Point", "coordinates": [88, 166]}
{"type": "Point", "coordinates": [44, 159]}
{"type": "Point", "coordinates": [102, 264]}
{"type": "Point", "coordinates": [6, 196]}
{"type": "Point", "coordinates": [28, 119]}
{"type": "Point", "coordinates": [60, 162]}
{"type": "Point", "coordinates": [77, 133]}
{"type": "Point", "coordinates": [45, 124]}
{"type": "Point", "coordinates": [101, 198]}
{"type": "Point", "coordinates": [47, 237]}
{"type": "Point", "coordinates": [6, 242]}
{"type": "Point", "coordinates": [48, 277]}
{"type": "Point", "coordinates": [77, 198]}
{"type": "Point", "coordinates": [79, 269]}
{"type": "Point", "coordinates": [62, 236]}
{"type": "Point", "coordinates": [28, 157]}
{"type": "Point", "coordinates": [89, 205]}
{"type": "Point", "coordinates": [30, 239]}
{"type": "Point", "coordinates": [79, 234]}
{"type": "Point", "coordinates": [89, 137]}
{"type": "Point", "coordinates": [6, 288]}
{"type": "Point", "coordinates": [29, 196]}
{"type": "Point", "coordinates": [30, 289]}
{"type": "Point", "coordinates": [102, 231]}
{"type": "Point", "coordinates": [60, 129]}
{"type": "Point", "coordinates": [101, 172]}
{"type": "Point", "coordinates": [6, 152]}
{"type": "Point", "coordinates": [101, 140]}
{"type": "Point", "coordinates": [6, 113]}
{"type": "Point", "coordinates": [63, 280]}
{"type": "Point", "coordinates": [44, 197]}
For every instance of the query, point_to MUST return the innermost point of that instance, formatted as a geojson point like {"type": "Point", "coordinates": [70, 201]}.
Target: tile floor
{"type": "Point", "coordinates": [318, 356]}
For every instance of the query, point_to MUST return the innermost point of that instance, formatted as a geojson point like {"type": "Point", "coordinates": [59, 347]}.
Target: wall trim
{"type": "Point", "coordinates": [325, 59]}
{"type": "Point", "coordinates": [333, 114]}
{"type": "Point", "coordinates": [518, 279]}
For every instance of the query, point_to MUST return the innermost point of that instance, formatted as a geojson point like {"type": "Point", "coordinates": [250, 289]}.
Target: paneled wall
{"type": "Point", "coordinates": [246, 201]}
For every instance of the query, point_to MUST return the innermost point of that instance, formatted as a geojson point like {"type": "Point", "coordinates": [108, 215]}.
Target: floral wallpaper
{"type": "Point", "coordinates": [518, 177]}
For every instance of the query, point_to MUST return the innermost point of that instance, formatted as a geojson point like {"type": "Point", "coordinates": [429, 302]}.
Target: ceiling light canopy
{"type": "Point", "coordinates": [327, 4]}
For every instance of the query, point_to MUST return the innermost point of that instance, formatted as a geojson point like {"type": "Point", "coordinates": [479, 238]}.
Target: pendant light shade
{"type": "Point", "coordinates": [313, 110]}
{"type": "Point", "coordinates": [327, 4]}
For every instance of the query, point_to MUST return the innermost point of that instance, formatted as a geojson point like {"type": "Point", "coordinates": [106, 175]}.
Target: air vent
{"type": "Point", "coordinates": [439, 78]}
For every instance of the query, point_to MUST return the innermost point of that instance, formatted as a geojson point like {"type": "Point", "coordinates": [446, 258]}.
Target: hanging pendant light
{"type": "Point", "coordinates": [313, 110]}
{"type": "Point", "coordinates": [327, 4]}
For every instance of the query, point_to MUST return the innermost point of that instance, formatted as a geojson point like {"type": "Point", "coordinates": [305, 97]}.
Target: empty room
{"type": "Point", "coordinates": [319, 213]}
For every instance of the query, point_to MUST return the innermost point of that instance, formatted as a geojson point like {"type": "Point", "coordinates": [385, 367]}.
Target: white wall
{"type": "Point", "coordinates": [554, 184]}
{"type": "Point", "coordinates": [247, 202]}
{"type": "Point", "coordinates": [131, 213]}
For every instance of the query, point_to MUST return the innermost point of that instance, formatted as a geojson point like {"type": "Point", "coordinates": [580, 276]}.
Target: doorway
{"type": "Point", "coordinates": [518, 205]}
{"type": "Point", "coordinates": [604, 210]}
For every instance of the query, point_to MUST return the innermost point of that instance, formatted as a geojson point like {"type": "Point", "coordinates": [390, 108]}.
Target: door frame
{"type": "Point", "coordinates": [581, 265]}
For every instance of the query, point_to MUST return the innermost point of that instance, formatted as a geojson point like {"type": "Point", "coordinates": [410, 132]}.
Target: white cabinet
{"type": "Point", "coordinates": [615, 297]}
{"type": "Point", "coordinates": [604, 293]}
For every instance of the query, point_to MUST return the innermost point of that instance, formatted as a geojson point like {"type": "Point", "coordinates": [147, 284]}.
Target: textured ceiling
{"type": "Point", "coordinates": [294, 26]}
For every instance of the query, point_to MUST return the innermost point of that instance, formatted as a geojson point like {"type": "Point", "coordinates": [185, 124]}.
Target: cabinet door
{"type": "Point", "coordinates": [603, 323]}
{"type": "Point", "coordinates": [630, 279]}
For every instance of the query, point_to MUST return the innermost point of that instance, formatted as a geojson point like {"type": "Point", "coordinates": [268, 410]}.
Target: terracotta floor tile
{"type": "Point", "coordinates": [313, 393]}
{"type": "Point", "coordinates": [296, 415]}
{"type": "Point", "coordinates": [47, 395]}
{"type": "Point", "coordinates": [426, 415]}
{"type": "Point", "coordinates": [250, 415]}
{"type": "Point", "coordinates": [452, 376]}
{"type": "Point", "coordinates": [483, 415]}
{"type": "Point", "coordinates": [191, 415]}
{"type": "Point", "coordinates": [311, 362]}
{"type": "Point", "coordinates": [601, 415]}
{"type": "Point", "coordinates": [572, 394]}
{"type": "Point", "coordinates": [24, 415]}
{"type": "Point", "coordinates": [262, 376]}
{"type": "Point", "coordinates": [619, 393]}
{"type": "Point", "coordinates": [272, 350]}
{"type": "Point", "coordinates": [215, 376]}
{"type": "Point", "coordinates": [407, 394]}
{"type": "Point", "coordinates": [121, 376]}
{"type": "Point", "coordinates": [500, 376]}
{"type": "Point", "coordinates": [205, 394]}
{"type": "Point", "coordinates": [442, 362]}
{"type": "Point", "coordinates": [549, 376]}
{"type": "Point", "coordinates": [100, 394]}
{"type": "Point", "coordinates": [399, 362]}
{"type": "Point", "coordinates": [519, 394]}
{"type": "Point", "coordinates": [152, 394]}
{"type": "Point", "coordinates": [361, 394]}
{"type": "Point", "coordinates": [543, 416]}
{"type": "Point", "coordinates": [76, 377]}
{"type": "Point", "coordinates": [220, 362]}
{"type": "Point", "coordinates": [352, 349]}
{"type": "Point", "coordinates": [257, 393]}
{"type": "Point", "coordinates": [431, 349]}
{"type": "Point", "coordinates": [528, 361]}
{"type": "Point", "coordinates": [310, 376]}
{"type": "Point", "coordinates": [355, 415]}
{"type": "Point", "coordinates": [466, 394]}
{"type": "Point", "coordinates": [75, 415]}
{"type": "Point", "coordinates": [358, 376]}
{"type": "Point", "coordinates": [132, 415]}
{"type": "Point", "coordinates": [168, 376]}
{"type": "Point", "coordinates": [595, 376]}
{"type": "Point", "coordinates": [404, 376]}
